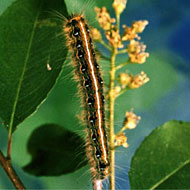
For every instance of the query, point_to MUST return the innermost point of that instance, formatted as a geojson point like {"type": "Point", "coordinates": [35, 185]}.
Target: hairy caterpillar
{"type": "Point", "coordinates": [88, 74]}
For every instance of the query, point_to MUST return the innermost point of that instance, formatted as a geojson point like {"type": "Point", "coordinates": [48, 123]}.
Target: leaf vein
{"type": "Point", "coordinates": [170, 174]}
{"type": "Point", "coordinates": [22, 74]}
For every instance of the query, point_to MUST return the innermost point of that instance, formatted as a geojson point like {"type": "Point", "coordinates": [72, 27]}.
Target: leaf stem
{"type": "Point", "coordinates": [9, 146]}
{"type": "Point", "coordinates": [111, 110]}
{"type": "Point", "coordinates": [7, 166]}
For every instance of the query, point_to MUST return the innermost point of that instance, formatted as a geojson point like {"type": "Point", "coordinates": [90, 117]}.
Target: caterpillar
{"type": "Point", "coordinates": [88, 74]}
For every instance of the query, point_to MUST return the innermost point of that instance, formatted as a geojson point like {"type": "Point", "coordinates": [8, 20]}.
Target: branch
{"type": "Point", "coordinates": [7, 166]}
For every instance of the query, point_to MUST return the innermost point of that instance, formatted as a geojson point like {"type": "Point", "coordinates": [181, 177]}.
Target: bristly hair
{"type": "Point", "coordinates": [91, 87]}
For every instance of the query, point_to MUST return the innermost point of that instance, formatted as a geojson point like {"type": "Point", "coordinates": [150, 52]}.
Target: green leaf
{"type": "Point", "coordinates": [30, 42]}
{"type": "Point", "coordinates": [163, 159]}
{"type": "Point", "coordinates": [55, 151]}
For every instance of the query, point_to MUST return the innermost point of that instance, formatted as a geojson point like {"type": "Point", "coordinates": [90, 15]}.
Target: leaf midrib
{"type": "Point", "coordinates": [22, 75]}
{"type": "Point", "coordinates": [170, 174]}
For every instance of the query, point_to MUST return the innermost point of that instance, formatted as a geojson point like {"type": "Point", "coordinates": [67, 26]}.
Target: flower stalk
{"type": "Point", "coordinates": [136, 54]}
{"type": "Point", "coordinates": [111, 119]}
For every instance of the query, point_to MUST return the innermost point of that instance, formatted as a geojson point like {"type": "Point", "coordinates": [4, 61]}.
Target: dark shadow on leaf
{"type": "Point", "coordinates": [55, 151]}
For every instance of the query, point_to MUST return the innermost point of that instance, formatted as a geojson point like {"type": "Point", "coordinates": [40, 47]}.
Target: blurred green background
{"type": "Point", "coordinates": [165, 97]}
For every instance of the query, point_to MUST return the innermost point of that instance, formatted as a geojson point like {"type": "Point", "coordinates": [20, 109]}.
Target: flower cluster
{"type": "Point", "coordinates": [131, 120]}
{"type": "Point", "coordinates": [130, 33]}
{"type": "Point", "coordinates": [136, 52]}
{"type": "Point", "coordinates": [135, 49]}
{"type": "Point", "coordinates": [114, 38]}
{"type": "Point", "coordinates": [125, 79]}
{"type": "Point", "coordinates": [119, 6]}
{"type": "Point", "coordinates": [131, 81]}
{"type": "Point", "coordinates": [96, 35]}
{"type": "Point", "coordinates": [104, 19]}
{"type": "Point", "coordinates": [121, 140]}
{"type": "Point", "coordinates": [139, 80]}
